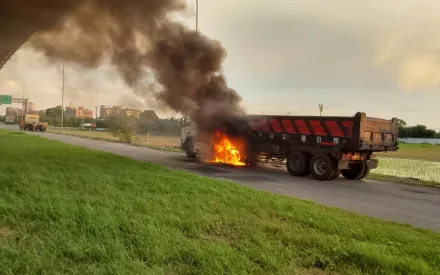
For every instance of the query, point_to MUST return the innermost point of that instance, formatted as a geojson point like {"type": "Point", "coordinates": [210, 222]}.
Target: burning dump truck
{"type": "Point", "coordinates": [322, 146]}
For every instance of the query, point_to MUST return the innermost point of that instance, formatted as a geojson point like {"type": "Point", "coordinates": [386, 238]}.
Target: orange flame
{"type": "Point", "coordinates": [228, 151]}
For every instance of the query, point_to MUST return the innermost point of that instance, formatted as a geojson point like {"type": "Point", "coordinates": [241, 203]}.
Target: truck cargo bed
{"type": "Point", "coordinates": [344, 134]}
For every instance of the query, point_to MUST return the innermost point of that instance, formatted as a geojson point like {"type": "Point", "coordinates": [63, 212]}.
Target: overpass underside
{"type": "Point", "coordinates": [10, 42]}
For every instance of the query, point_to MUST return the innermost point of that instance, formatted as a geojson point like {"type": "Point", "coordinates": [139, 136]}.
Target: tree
{"type": "Point", "coordinates": [122, 128]}
{"type": "Point", "coordinates": [88, 120]}
{"type": "Point", "coordinates": [401, 123]}
{"type": "Point", "coordinates": [418, 131]}
{"type": "Point", "coordinates": [102, 123]}
{"type": "Point", "coordinates": [72, 122]}
{"type": "Point", "coordinates": [54, 112]}
{"type": "Point", "coordinates": [148, 115]}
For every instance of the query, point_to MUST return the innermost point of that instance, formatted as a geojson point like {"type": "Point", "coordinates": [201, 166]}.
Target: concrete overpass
{"type": "Point", "coordinates": [11, 42]}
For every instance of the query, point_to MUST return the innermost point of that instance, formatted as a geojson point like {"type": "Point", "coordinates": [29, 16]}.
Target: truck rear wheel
{"type": "Point", "coordinates": [323, 167]}
{"type": "Point", "coordinates": [367, 171]}
{"type": "Point", "coordinates": [298, 164]}
{"type": "Point", "coordinates": [357, 171]}
{"type": "Point", "coordinates": [336, 174]}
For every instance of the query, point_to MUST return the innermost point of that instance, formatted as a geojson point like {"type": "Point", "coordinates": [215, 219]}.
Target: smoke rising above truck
{"type": "Point", "coordinates": [141, 40]}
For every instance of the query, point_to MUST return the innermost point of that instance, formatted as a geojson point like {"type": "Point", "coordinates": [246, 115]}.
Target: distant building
{"type": "Point", "coordinates": [70, 112]}
{"type": "Point", "coordinates": [13, 112]}
{"type": "Point", "coordinates": [83, 112]}
{"type": "Point", "coordinates": [79, 112]}
{"type": "Point", "coordinates": [106, 112]}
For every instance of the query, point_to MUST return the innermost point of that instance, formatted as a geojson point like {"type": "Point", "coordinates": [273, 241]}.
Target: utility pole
{"type": "Point", "coordinates": [62, 100]}
{"type": "Point", "coordinates": [62, 97]}
{"type": "Point", "coordinates": [96, 114]}
{"type": "Point", "coordinates": [22, 97]}
{"type": "Point", "coordinates": [321, 107]}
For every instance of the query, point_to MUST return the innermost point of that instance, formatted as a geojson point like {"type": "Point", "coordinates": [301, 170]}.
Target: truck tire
{"type": "Point", "coordinates": [189, 149]}
{"type": "Point", "coordinates": [336, 174]}
{"type": "Point", "coordinates": [323, 167]}
{"type": "Point", "coordinates": [366, 173]}
{"type": "Point", "coordinates": [298, 164]}
{"type": "Point", "coordinates": [357, 171]}
{"type": "Point", "coordinates": [251, 161]}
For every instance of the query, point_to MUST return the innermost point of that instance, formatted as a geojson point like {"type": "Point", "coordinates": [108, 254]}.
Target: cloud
{"type": "Point", "coordinates": [381, 57]}
{"type": "Point", "coordinates": [337, 44]}
{"type": "Point", "coordinates": [9, 84]}
{"type": "Point", "coordinates": [11, 87]}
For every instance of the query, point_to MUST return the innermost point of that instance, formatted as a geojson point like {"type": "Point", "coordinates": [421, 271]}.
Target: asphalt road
{"type": "Point", "coordinates": [414, 205]}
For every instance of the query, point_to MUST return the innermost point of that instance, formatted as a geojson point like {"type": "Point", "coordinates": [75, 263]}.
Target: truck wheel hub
{"type": "Point", "coordinates": [295, 164]}
{"type": "Point", "coordinates": [320, 166]}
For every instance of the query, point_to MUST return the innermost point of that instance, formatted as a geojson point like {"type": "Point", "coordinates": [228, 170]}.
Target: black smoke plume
{"type": "Point", "coordinates": [140, 39]}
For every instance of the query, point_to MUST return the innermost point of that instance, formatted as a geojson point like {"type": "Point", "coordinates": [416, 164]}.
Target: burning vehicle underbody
{"type": "Point", "coordinates": [324, 147]}
{"type": "Point", "coordinates": [228, 144]}
{"type": "Point", "coordinates": [221, 149]}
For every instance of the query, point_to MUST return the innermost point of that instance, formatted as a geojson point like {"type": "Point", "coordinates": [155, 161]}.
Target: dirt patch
{"type": "Point", "coordinates": [6, 232]}
{"type": "Point", "coordinates": [314, 271]}
{"type": "Point", "coordinates": [224, 231]}
{"type": "Point", "coordinates": [166, 141]}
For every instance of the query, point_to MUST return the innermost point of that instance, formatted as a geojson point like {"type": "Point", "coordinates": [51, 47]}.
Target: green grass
{"type": "Point", "coordinates": [69, 210]}
{"type": "Point", "coordinates": [415, 151]}
{"type": "Point", "coordinates": [408, 171]}
{"type": "Point", "coordinates": [412, 163]}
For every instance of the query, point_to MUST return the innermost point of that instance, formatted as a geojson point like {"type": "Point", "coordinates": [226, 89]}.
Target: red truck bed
{"type": "Point", "coordinates": [345, 134]}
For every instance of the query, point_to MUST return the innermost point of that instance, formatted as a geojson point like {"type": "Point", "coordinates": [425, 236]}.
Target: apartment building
{"type": "Point", "coordinates": [79, 112]}
{"type": "Point", "coordinates": [106, 112]}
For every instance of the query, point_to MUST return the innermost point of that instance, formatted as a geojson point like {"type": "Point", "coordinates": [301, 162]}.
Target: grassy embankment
{"type": "Point", "coordinates": [66, 209]}
{"type": "Point", "coordinates": [159, 142]}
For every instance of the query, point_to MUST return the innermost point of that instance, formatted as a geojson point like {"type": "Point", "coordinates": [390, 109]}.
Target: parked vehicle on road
{"type": "Point", "coordinates": [32, 123]}
{"type": "Point", "coordinates": [323, 146]}
{"type": "Point", "coordinates": [9, 120]}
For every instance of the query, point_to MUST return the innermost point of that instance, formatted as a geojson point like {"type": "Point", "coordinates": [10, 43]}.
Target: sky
{"type": "Point", "coordinates": [377, 57]}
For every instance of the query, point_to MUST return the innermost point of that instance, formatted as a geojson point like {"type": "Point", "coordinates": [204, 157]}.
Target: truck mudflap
{"type": "Point", "coordinates": [345, 163]}
{"type": "Point", "coordinates": [372, 163]}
